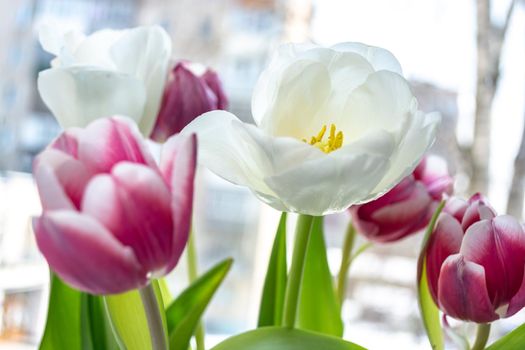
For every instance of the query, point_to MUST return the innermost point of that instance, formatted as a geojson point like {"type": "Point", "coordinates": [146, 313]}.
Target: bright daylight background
{"type": "Point", "coordinates": [435, 41]}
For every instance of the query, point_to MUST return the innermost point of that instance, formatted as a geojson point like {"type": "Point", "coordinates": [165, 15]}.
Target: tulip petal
{"type": "Point", "coordinates": [456, 207]}
{"type": "Point", "coordinates": [144, 53]}
{"type": "Point", "coordinates": [433, 173]}
{"type": "Point", "coordinates": [134, 204]}
{"type": "Point", "coordinates": [81, 94]}
{"type": "Point", "coordinates": [67, 142]}
{"type": "Point", "coordinates": [106, 142]}
{"type": "Point", "coordinates": [499, 246]}
{"type": "Point", "coordinates": [293, 109]}
{"type": "Point", "coordinates": [518, 300]}
{"type": "Point", "coordinates": [384, 101]}
{"type": "Point", "coordinates": [444, 242]}
{"type": "Point", "coordinates": [477, 209]}
{"type": "Point", "coordinates": [178, 164]}
{"type": "Point", "coordinates": [395, 217]}
{"type": "Point", "coordinates": [55, 41]}
{"type": "Point", "coordinates": [93, 50]}
{"type": "Point", "coordinates": [186, 97]}
{"type": "Point", "coordinates": [415, 142]}
{"type": "Point", "coordinates": [380, 58]}
{"type": "Point", "coordinates": [52, 194]}
{"type": "Point", "coordinates": [61, 179]}
{"type": "Point", "coordinates": [86, 255]}
{"type": "Point", "coordinates": [462, 291]}
{"type": "Point", "coordinates": [225, 153]}
{"type": "Point", "coordinates": [214, 83]}
{"type": "Point", "coordinates": [324, 184]}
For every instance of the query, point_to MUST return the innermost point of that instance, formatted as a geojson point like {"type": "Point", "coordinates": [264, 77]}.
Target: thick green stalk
{"type": "Point", "coordinates": [482, 336]}
{"type": "Point", "coordinates": [191, 255]}
{"type": "Point", "coordinates": [348, 246]}
{"type": "Point", "coordinates": [291, 298]}
{"type": "Point", "coordinates": [152, 310]}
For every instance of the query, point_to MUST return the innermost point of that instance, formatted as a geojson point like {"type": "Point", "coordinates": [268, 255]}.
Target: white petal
{"type": "Point", "coordinates": [289, 174]}
{"type": "Point", "coordinates": [346, 71]}
{"type": "Point", "coordinates": [295, 107]}
{"type": "Point", "coordinates": [267, 85]}
{"type": "Point", "coordinates": [79, 95]}
{"type": "Point", "coordinates": [419, 136]}
{"type": "Point", "coordinates": [225, 152]}
{"type": "Point", "coordinates": [380, 58]}
{"type": "Point", "coordinates": [95, 49]}
{"type": "Point", "coordinates": [53, 39]}
{"type": "Point", "coordinates": [144, 52]}
{"type": "Point", "coordinates": [334, 181]}
{"type": "Point", "coordinates": [384, 101]}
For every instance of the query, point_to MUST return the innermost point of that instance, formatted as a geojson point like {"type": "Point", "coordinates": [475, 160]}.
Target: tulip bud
{"type": "Point", "coordinates": [475, 263]}
{"type": "Point", "coordinates": [406, 208]}
{"type": "Point", "coordinates": [187, 94]}
{"type": "Point", "coordinates": [112, 218]}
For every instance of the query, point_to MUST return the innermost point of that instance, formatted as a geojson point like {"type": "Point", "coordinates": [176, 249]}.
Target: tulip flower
{"type": "Point", "coordinates": [112, 218]}
{"type": "Point", "coordinates": [334, 127]}
{"type": "Point", "coordinates": [408, 207]}
{"type": "Point", "coordinates": [189, 93]}
{"type": "Point", "coordinates": [110, 72]}
{"type": "Point", "coordinates": [476, 263]}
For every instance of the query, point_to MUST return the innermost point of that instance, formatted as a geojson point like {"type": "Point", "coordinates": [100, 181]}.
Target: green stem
{"type": "Point", "coordinates": [348, 246]}
{"type": "Point", "coordinates": [192, 276]}
{"type": "Point", "coordinates": [291, 298]}
{"type": "Point", "coordinates": [156, 328]}
{"type": "Point", "coordinates": [482, 336]}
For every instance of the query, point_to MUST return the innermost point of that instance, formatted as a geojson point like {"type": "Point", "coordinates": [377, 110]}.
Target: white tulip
{"type": "Point", "coordinates": [107, 73]}
{"type": "Point", "coordinates": [287, 159]}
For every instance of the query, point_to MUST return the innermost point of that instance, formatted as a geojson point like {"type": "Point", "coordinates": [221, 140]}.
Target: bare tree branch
{"type": "Point", "coordinates": [490, 39]}
{"type": "Point", "coordinates": [517, 188]}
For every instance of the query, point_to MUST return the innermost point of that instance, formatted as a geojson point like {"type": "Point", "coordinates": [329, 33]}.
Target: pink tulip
{"type": "Point", "coordinates": [186, 96]}
{"type": "Point", "coordinates": [112, 219]}
{"type": "Point", "coordinates": [406, 208]}
{"type": "Point", "coordinates": [476, 262]}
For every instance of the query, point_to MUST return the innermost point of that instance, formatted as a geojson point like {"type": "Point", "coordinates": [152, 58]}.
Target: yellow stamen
{"type": "Point", "coordinates": [335, 140]}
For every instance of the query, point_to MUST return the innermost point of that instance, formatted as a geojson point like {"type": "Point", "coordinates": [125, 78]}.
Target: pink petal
{"type": "Point", "coordinates": [186, 96]}
{"type": "Point", "coordinates": [406, 212]}
{"type": "Point", "coordinates": [67, 142]}
{"type": "Point", "coordinates": [444, 241]}
{"type": "Point", "coordinates": [108, 141]}
{"type": "Point", "coordinates": [433, 173]}
{"type": "Point", "coordinates": [462, 291]}
{"type": "Point", "coordinates": [177, 163]}
{"type": "Point", "coordinates": [456, 207]}
{"type": "Point", "coordinates": [499, 246]}
{"type": "Point", "coordinates": [134, 204]}
{"type": "Point", "coordinates": [518, 300]}
{"type": "Point", "coordinates": [85, 255]}
{"type": "Point", "coordinates": [59, 175]}
{"type": "Point", "coordinates": [403, 213]}
{"type": "Point", "coordinates": [214, 83]}
{"type": "Point", "coordinates": [478, 209]}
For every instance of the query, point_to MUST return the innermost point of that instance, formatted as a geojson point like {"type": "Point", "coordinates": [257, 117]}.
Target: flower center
{"type": "Point", "coordinates": [334, 141]}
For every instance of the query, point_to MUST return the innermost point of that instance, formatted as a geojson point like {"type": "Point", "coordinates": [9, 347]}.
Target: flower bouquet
{"type": "Point", "coordinates": [336, 129]}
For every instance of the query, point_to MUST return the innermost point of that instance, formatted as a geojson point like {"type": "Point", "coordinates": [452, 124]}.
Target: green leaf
{"type": "Point", "coordinates": [128, 318]}
{"type": "Point", "coordinates": [428, 309]}
{"type": "Point", "coordinates": [515, 340]}
{"type": "Point", "coordinates": [96, 326]}
{"type": "Point", "coordinates": [277, 338]}
{"type": "Point", "coordinates": [319, 308]}
{"type": "Point", "coordinates": [185, 311]}
{"type": "Point", "coordinates": [272, 301]}
{"type": "Point", "coordinates": [63, 326]}
{"type": "Point", "coordinates": [165, 292]}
